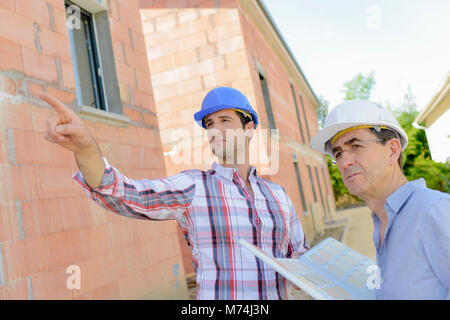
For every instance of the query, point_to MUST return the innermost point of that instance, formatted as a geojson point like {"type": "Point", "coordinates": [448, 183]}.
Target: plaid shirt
{"type": "Point", "coordinates": [213, 208]}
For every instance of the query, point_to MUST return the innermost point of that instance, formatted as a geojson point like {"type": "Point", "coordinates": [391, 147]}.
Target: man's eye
{"type": "Point", "coordinates": [356, 146]}
{"type": "Point", "coordinates": [337, 154]}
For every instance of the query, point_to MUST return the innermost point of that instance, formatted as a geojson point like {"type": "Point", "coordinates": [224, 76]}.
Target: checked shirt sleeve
{"type": "Point", "coordinates": [298, 244]}
{"type": "Point", "coordinates": [157, 199]}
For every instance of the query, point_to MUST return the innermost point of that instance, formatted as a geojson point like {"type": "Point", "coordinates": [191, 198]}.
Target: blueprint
{"type": "Point", "coordinates": [328, 271]}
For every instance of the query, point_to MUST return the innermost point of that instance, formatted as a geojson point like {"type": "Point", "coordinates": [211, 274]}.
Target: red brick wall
{"type": "Point", "coordinates": [192, 47]}
{"type": "Point", "coordinates": [46, 222]}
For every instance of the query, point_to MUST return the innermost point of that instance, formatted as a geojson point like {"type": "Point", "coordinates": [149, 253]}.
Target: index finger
{"type": "Point", "coordinates": [59, 107]}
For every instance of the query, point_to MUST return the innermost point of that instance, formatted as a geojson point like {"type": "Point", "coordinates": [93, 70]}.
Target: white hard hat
{"type": "Point", "coordinates": [355, 113]}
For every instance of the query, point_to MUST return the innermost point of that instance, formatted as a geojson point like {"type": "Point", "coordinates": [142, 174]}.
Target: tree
{"type": "Point", "coordinates": [322, 111]}
{"type": "Point", "coordinates": [359, 87]}
{"type": "Point", "coordinates": [436, 174]}
{"type": "Point", "coordinates": [417, 139]}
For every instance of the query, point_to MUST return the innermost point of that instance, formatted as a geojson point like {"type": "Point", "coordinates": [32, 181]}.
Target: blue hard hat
{"type": "Point", "coordinates": [221, 98]}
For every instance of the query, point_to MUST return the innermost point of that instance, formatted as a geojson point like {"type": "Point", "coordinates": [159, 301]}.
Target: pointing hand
{"type": "Point", "coordinates": [66, 128]}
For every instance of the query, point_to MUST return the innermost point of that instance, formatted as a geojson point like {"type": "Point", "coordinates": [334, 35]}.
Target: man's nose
{"type": "Point", "coordinates": [215, 133]}
{"type": "Point", "coordinates": [347, 159]}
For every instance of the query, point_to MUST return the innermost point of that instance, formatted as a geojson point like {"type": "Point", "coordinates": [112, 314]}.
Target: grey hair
{"type": "Point", "coordinates": [387, 134]}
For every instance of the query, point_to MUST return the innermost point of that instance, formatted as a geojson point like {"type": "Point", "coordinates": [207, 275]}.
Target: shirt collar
{"type": "Point", "coordinates": [399, 197]}
{"type": "Point", "coordinates": [228, 173]}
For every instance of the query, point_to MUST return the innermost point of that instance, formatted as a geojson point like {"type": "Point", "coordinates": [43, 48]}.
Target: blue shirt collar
{"type": "Point", "coordinates": [399, 197]}
{"type": "Point", "coordinates": [228, 173]}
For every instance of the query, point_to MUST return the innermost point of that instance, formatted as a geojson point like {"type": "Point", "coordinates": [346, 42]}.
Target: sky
{"type": "Point", "coordinates": [405, 42]}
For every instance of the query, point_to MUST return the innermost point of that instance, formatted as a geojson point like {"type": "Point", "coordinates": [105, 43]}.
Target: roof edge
{"type": "Point", "coordinates": [286, 46]}
{"type": "Point", "coordinates": [442, 91]}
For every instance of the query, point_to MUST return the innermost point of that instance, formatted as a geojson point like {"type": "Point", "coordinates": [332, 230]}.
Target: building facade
{"type": "Point", "coordinates": [435, 118]}
{"type": "Point", "coordinates": [55, 243]}
{"type": "Point", "coordinates": [194, 46]}
{"type": "Point", "coordinates": [136, 72]}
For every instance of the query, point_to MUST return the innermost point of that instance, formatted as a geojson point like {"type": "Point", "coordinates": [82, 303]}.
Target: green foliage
{"type": "Point", "coordinates": [436, 174]}
{"type": "Point", "coordinates": [417, 162]}
{"type": "Point", "coordinates": [339, 188]}
{"type": "Point", "coordinates": [341, 195]}
{"type": "Point", "coordinates": [359, 87]}
{"type": "Point", "coordinates": [417, 141]}
{"type": "Point", "coordinates": [322, 111]}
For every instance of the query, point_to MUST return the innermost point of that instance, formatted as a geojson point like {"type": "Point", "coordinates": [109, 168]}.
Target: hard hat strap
{"type": "Point", "coordinates": [245, 113]}
{"type": "Point", "coordinates": [340, 133]}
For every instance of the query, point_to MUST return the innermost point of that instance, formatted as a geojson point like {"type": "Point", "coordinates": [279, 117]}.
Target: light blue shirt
{"type": "Point", "coordinates": [414, 259]}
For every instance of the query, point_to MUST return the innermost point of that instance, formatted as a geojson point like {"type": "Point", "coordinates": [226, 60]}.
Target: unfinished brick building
{"type": "Point", "coordinates": [47, 223]}
{"type": "Point", "coordinates": [134, 70]}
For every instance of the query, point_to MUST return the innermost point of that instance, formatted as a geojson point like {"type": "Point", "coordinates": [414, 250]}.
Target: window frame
{"type": "Point", "coordinates": [297, 111]}
{"type": "Point", "coordinates": [304, 116]}
{"type": "Point", "coordinates": [267, 102]}
{"type": "Point", "coordinates": [320, 189]}
{"type": "Point", "coordinates": [300, 185]}
{"type": "Point", "coordinates": [312, 183]}
{"type": "Point", "coordinates": [109, 106]}
{"type": "Point", "coordinates": [96, 71]}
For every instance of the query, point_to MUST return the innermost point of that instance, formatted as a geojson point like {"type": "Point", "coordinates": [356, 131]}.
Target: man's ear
{"type": "Point", "coordinates": [249, 129]}
{"type": "Point", "coordinates": [395, 148]}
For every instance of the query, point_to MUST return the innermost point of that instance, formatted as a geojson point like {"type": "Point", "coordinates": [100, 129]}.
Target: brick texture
{"type": "Point", "coordinates": [47, 223]}
{"type": "Point", "coordinates": [168, 55]}
{"type": "Point", "coordinates": [192, 47]}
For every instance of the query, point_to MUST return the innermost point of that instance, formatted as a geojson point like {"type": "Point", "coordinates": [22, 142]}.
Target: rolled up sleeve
{"type": "Point", "coordinates": [298, 243]}
{"type": "Point", "coordinates": [157, 199]}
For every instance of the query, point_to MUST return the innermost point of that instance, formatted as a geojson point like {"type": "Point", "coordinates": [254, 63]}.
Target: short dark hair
{"type": "Point", "coordinates": [244, 119]}
{"type": "Point", "coordinates": [385, 135]}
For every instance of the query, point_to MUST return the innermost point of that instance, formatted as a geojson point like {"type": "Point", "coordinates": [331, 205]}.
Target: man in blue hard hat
{"type": "Point", "coordinates": [230, 121]}
{"type": "Point", "coordinates": [229, 201]}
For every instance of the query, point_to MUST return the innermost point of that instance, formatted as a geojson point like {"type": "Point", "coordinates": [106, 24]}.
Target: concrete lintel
{"type": "Point", "coordinates": [94, 114]}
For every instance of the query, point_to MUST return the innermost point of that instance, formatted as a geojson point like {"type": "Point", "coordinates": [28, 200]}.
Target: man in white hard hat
{"type": "Point", "coordinates": [212, 207]}
{"type": "Point", "coordinates": [411, 222]}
